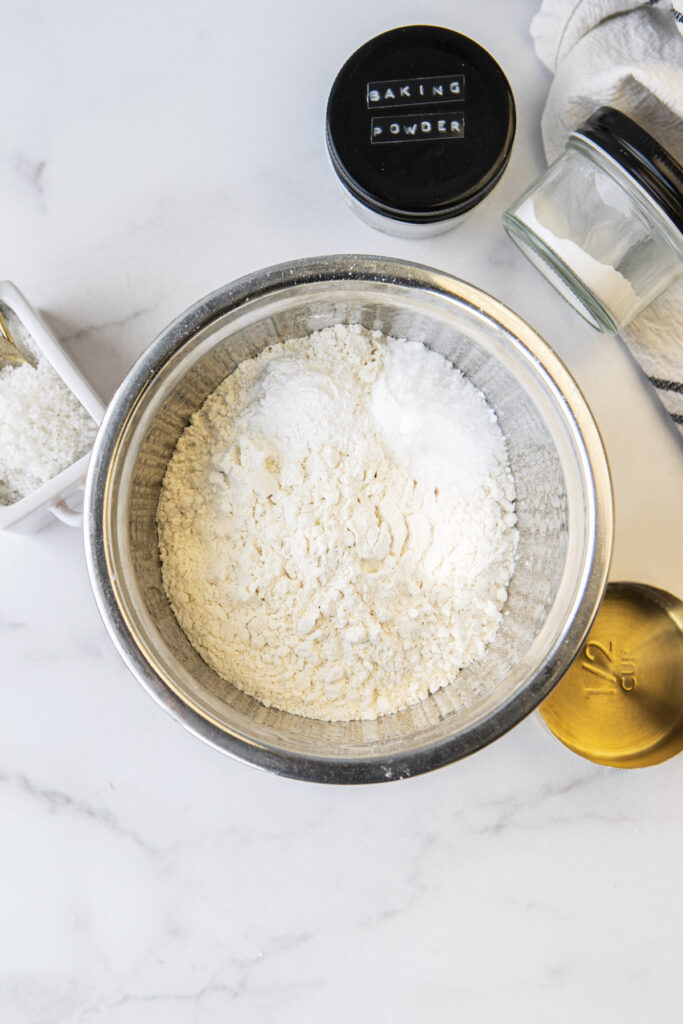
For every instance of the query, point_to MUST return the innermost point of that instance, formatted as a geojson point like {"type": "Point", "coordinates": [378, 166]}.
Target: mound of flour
{"type": "Point", "coordinates": [337, 526]}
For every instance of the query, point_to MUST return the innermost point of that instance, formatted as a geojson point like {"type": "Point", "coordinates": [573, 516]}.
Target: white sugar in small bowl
{"type": "Point", "coordinates": [564, 510]}
{"type": "Point", "coordinates": [52, 499]}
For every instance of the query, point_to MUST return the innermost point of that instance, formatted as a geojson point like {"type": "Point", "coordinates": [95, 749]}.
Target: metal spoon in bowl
{"type": "Point", "coordinates": [10, 354]}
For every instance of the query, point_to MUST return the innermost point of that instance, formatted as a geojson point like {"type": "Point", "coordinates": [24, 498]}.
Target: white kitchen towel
{"type": "Point", "coordinates": [626, 54]}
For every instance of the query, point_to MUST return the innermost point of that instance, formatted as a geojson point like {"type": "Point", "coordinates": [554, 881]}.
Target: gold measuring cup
{"type": "Point", "coordinates": [620, 703]}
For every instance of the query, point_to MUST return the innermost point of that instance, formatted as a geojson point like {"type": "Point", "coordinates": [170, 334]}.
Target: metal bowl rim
{"type": "Point", "coordinates": [369, 270]}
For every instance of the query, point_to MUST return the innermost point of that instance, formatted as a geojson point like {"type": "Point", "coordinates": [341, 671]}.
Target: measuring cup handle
{"type": "Point", "coordinates": [61, 511]}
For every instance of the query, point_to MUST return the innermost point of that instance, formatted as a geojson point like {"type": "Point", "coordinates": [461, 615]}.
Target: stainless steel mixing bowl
{"type": "Point", "coordinates": [564, 509]}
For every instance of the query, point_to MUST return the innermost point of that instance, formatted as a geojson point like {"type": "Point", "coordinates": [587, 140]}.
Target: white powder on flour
{"type": "Point", "coordinates": [337, 526]}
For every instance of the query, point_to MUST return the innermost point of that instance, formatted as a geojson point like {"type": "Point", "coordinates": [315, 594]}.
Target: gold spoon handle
{"type": "Point", "coordinates": [10, 355]}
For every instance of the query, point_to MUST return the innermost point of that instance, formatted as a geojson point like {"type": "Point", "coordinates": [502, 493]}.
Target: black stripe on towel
{"type": "Point", "coordinates": [667, 385]}
{"type": "Point", "coordinates": [677, 417]}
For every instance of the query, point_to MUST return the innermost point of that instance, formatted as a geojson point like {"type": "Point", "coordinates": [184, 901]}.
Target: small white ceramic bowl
{"type": "Point", "coordinates": [37, 509]}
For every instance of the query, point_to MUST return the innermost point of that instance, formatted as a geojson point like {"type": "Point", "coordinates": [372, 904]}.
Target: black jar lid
{"type": "Point", "coordinates": [641, 156]}
{"type": "Point", "coordinates": [420, 123]}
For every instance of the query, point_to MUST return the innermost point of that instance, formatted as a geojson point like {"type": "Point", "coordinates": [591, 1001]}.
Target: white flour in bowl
{"type": "Point", "coordinates": [337, 525]}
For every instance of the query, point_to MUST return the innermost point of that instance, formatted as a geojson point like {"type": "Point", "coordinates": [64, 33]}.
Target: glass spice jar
{"type": "Point", "coordinates": [604, 223]}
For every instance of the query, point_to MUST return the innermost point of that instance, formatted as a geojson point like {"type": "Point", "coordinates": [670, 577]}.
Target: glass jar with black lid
{"type": "Point", "coordinates": [604, 223]}
{"type": "Point", "coordinates": [419, 128]}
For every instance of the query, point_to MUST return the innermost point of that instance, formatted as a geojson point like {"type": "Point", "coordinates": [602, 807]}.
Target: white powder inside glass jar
{"type": "Point", "coordinates": [614, 291]}
{"type": "Point", "coordinates": [43, 427]}
{"type": "Point", "coordinates": [337, 526]}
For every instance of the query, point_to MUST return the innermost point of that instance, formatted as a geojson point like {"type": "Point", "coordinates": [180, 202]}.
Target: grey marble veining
{"type": "Point", "coordinates": [149, 153]}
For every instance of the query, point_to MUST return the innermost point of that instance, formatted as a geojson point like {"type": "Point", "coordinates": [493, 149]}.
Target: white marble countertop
{"type": "Point", "coordinates": [150, 152]}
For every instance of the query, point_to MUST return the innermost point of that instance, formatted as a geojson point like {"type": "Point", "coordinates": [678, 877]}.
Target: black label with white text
{"type": "Point", "coordinates": [418, 127]}
{"type": "Point", "coordinates": [409, 91]}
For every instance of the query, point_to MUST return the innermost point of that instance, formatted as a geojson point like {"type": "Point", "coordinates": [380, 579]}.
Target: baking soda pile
{"type": "Point", "coordinates": [337, 525]}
